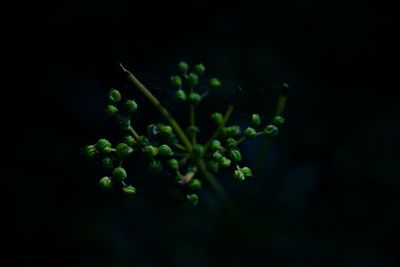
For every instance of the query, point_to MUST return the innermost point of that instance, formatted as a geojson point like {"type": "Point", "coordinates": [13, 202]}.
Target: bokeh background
{"type": "Point", "coordinates": [327, 193]}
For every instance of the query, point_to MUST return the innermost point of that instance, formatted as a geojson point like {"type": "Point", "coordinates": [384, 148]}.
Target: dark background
{"type": "Point", "coordinates": [326, 193]}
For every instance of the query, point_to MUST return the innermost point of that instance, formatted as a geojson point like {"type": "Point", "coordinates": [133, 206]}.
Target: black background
{"type": "Point", "coordinates": [326, 193]}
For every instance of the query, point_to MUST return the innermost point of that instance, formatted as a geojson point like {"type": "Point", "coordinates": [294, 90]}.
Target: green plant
{"type": "Point", "coordinates": [168, 145]}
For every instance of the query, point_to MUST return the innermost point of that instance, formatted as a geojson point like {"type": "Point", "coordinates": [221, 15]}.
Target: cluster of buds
{"type": "Point", "coordinates": [167, 147]}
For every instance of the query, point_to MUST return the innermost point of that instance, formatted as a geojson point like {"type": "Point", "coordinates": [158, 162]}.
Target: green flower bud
{"type": "Point", "coordinates": [173, 164]}
{"type": "Point", "coordinates": [233, 130]}
{"type": "Point", "coordinates": [198, 151]}
{"type": "Point", "coordinates": [90, 151]}
{"type": "Point", "coordinates": [250, 133]}
{"type": "Point", "coordinates": [191, 130]}
{"type": "Point", "coordinates": [217, 117]}
{"type": "Point", "coordinates": [278, 120]}
{"type": "Point", "coordinates": [271, 130]}
{"type": "Point", "coordinates": [143, 140]}
{"type": "Point", "coordinates": [247, 172]}
{"type": "Point", "coordinates": [194, 184]}
{"type": "Point", "coordinates": [217, 156]}
{"type": "Point", "coordinates": [111, 111]}
{"type": "Point", "coordinates": [129, 140]}
{"type": "Point", "coordinates": [129, 190]}
{"type": "Point", "coordinates": [215, 83]}
{"type": "Point", "coordinates": [104, 146]}
{"type": "Point", "coordinates": [119, 174]}
{"type": "Point", "coordinates": [255, 119]}
{"type": "Point", "coordinates": [166, 130]}
{"type": "Point", "coordinates": [107, 163]}
{"type": "Point", "coordinates": [183, 67]}
{"type": "Point", "coordinates": [193, 79]}
{"type": "Point", "coordinates": [235, 155]}
{"type": "Point", "coordinates": [215, 145]}
{"type": "Point", "coordinates": [231, 143]}
{"type": "Point", "coordinates": [150, 151]}
{"type": "Point", "coordinates": [199, 69]}
{"type": "Point", "coordinates": [176, 81]}
{"type": "Point", "coordinates": [194, 98]}
{"type": "Point", "coordinates": [225, 162]}
{"type": "Point", "coordinates": [124, 122]}
{"type": "Point", "coordinates": [123, 150]}
{"type": "Point", "coordinates": [180, 179]}
{"type": "Point", "coordinates": [212, 166]}
{"type": "Point", "coordinates": [180, 95]}
{"type": "Point", "coordinates": [192, 199]}
{"type": "Point", "coordinates": [130, 106]}
{"type": "Point", "coordinates": [155, 166]}
{"type": "Point", "coordinates": [239, 176]}
{"type": "Point", "coordinates": [114, 96]}
{"type": "Point", "coordinates": [106, 183]}
{"type": "Point", "coordinates": [165, 151]}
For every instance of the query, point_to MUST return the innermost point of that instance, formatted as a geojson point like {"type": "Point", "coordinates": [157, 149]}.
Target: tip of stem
{"type": "Point", "coordinates": [122, 67]}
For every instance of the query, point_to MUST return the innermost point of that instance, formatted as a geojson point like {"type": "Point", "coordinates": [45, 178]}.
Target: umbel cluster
{"type": "Point", "coordinates": [167, 146]}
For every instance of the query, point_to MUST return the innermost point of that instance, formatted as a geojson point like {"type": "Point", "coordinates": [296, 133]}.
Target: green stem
{"type": "Point", "coordinates": [243, 138]}
{"type": "Point", "coordinates": [192, 122]}
{"type": "Point", "coordinates": [135, 134]}
{"type": "Point", "coordinates": [225, 119]}
{"type": "Point", "coordinates": [160, 107]}
{"type": "Point", "coordinates": [215, 185]}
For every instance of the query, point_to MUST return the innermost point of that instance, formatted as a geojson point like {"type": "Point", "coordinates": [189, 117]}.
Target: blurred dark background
{"type": "Point", "coordinates": [327, 193]}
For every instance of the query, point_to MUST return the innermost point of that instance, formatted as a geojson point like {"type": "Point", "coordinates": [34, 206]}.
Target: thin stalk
{"type": "Point", "coordinates": [192, 122]}
{"type": "Point", "coordinates": [181, 134]}
{"type": "Point", "coordinates": [135, 134]}
{"type": "Point", "coordinates": [243, 138]}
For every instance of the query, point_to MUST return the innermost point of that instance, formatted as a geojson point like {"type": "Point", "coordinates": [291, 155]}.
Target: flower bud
{"type": "Point", "coordinates": [166, 130]}
{"type": "Point", "coordinates": [191, 130]}
{"type": "Point", "coordinates": [173, 164]}
{"type": "Point", "coordinates": [111, 111]}
{"type": "Point", "coordinates": [183, 67]}
{"type": "Point", "coordinates": [130, 106]}
{"type": "Point", "coordinates": [217, 156]}
{"type": "Point", "coordinates": [278, 120]}
{"type": "Point", "coordinates": [198, 151]}
{"type": "Point", "coordinates": [106, 183]}
{"type": "Point", "coordinates": [255, 119]}
{"type": "Point", "coordinates": [215, 145]}
{"type": "Point", "coordinates": [124, 122]}
{"type": "Point", "coordinates": [235, 155]}
{"type": "Point", "coordinates": [225, 162]}
{"type": "Point", "coordinates": [233, 130]}
{"type": "Point", "coordinates": [150, 151]}
{"type": "Point", "coordinates": [217, 117]}
{"type": "Point", "coordinates": [104, 146]}
{"type": "Point", "coordinates": [143, 140]}
{"type": "Point", "coordinates": [129, 190]}
{"type": "Point", "coordinates": [193, 79]}
{"type": "Point", "coordinates": [271, 130]}
{"type": "Point", "coordinates": [250, 133]}
{"type": "Point", "coordinates": [194, 184]}
{"type": "Point", "coordinates": [194, 98]}
{"type": "Point", "coordinates": [155, 166]}
{"type": "Point", "coordinates": [239, 176]}
{"type": "Point", "coordinates": [231, 143]}
{"type": "Point", "coordinates": [165, 151]}
{"type": "Point", "coordinates": [123, 150]}
{"type": "Point", "coordinates": [107, 163]}
{"type": "Point", "coordinates": [215, 83]}
{"type": "Point", "coordinates": [199, 69]}
{"type": "Point", "coordinates": [129, 140]}
{"type": "Point", "coordinates": [176, 81]}
{"type": "Point", "coordinates": [247, 172]}
{"type": "Point", "coordinates": [114, 96]}
{"type": "Point", "coordinates": [180, 95]}
{"type": "Point", "coordinates": [119, 174]}
{"type": "Point", "coordinates": [192, 199]}
{"type": "Point", "coordinates": [90, 151]}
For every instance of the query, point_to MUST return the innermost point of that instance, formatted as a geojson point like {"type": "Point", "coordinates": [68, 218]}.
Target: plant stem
{"type": "Point", "coordinates": [243, 138]}
{"type": "Point", "coordinates": [160, 107]}
{"type": "Point", "coordinates": [215, 185]}
{"type": "Point", "coordinates": [135, 134]}
{"type": "Point", "coordinates": [192, 122]}
{"type": "Point", "coordinates": [225, 119]}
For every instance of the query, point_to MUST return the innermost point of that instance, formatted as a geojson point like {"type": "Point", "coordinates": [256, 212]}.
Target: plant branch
{"type": "Point", "coordinates": [181, 134]}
